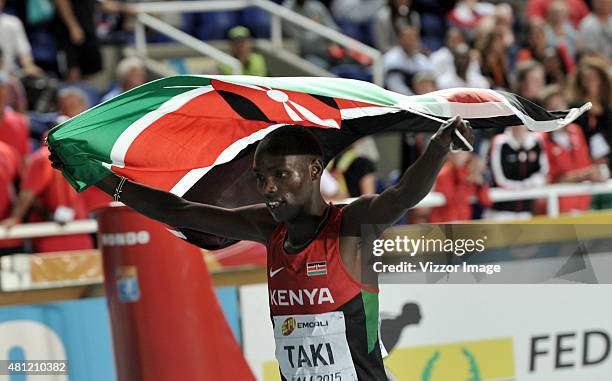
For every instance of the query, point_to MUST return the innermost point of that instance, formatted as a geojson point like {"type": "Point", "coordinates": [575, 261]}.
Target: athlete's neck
{"type": "Point", "coordinates": [304, 227]}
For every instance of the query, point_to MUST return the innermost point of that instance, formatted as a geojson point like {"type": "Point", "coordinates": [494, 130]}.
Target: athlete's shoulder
{"type": "Point", "coordinates": [356, 214]}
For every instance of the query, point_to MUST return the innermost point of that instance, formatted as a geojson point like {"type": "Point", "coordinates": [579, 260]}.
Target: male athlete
{"type": "Point", "coordinates": [325, 318]}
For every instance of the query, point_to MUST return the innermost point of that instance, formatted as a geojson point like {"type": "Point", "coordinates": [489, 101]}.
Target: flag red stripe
{"type": "Point", "coordinates": [473, 96]}
{"type": "Point", "coordinates": [345, 103]}
{"type": "Point", "coordinates": [191, 137]}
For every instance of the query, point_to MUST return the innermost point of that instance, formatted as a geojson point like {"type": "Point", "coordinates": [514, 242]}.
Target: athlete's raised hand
{"type": "Point", "coordinates": [454, 134]}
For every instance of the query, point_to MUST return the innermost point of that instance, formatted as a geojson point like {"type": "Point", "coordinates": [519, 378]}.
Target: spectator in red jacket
{"type": "Point", "coordinates": [568, 155]}
{"type": "Point", "coordinates": [538, 9]}
{"type": "Point", "coordinates": [71, 102]}
{"type": "Point", "coordinates": [9, 169]}
{"type": "Point", "coordinates": [13, 126]}
{"type": "Point", "coordinates": [459, 181]}
{"type": "Point", "coordinates": [48, 195]}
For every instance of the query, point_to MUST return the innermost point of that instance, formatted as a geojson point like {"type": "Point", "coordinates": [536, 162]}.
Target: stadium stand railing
{"type": "Point", "coordinates": [278, 14]}
{"type": "Point", "coordinates": [65, 275]}
{"type": "Point", "coordinates": [549, 192]}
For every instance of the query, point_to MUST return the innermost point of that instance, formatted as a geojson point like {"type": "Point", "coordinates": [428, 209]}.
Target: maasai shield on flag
{"type": "Point", "coordinates": [195, 136]}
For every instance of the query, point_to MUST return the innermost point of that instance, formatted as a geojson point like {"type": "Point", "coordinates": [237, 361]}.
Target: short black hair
{"type": "Point", "coordinates": [290, 140]}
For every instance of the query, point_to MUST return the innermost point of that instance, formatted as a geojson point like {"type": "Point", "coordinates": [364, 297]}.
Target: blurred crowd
{"type": "Point", "coordinates": [555, 53]}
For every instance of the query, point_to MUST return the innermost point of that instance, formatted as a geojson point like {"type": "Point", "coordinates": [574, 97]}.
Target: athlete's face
{"type": "Point", "coordinates": [287, 183]}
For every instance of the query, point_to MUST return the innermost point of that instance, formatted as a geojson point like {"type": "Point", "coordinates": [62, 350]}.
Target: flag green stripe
{"type": "Point", "coordinates": [86, 141]}
{"type": "Point", "coordinates": [103, 124]}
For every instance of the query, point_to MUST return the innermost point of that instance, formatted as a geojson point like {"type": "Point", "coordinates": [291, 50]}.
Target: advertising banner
{"type": "Point", "coordinates": [471, 332]}
{"type": "Point", "coordinates": [77, 331]}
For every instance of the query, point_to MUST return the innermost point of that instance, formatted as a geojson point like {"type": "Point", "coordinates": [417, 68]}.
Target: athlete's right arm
{"type": "Point", "coordinates": [253, 223]}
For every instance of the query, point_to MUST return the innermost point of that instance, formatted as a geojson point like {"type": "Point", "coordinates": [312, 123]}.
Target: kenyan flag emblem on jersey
{"type": "Point", "coordinates": [316, 268]}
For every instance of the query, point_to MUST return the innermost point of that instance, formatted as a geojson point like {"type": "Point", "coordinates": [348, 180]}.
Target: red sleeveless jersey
{"type": "Point", "coordinates": [313, 280]}
{"type": "Point", "coordinates": [325, 322]}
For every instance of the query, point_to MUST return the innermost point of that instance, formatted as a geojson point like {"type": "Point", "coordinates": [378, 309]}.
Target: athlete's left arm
{"type": "Point", "coordinates": [415, 183]}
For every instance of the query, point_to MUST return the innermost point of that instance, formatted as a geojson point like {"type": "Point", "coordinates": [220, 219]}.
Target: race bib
{"type": "Point", "coordinates": [313, 347]}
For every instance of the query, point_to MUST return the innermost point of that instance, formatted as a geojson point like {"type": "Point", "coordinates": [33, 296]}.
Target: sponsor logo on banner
{"type": "Point", "coordinates": [127, 284]}
{"type": "Point", "coordinates": [316, 268]}
{"type": "Point", "coordinates": [288, 326]}
{"type": "Point", "coordinates": [126, 239]}
{"type": "Point", "coordinates": [485, 360]}
{"type": "Point", "coordinates": [562, 351]}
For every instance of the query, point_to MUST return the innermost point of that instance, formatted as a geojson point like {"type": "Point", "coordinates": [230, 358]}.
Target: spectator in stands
{"type": "Point", "coordinates": [530, 80]}
{"type": "Point", "coordinates": [389, 18]}
{"type": "Point", "coordinates": [131, 73]}
{"type": "Point", "coordinates": [312, 46]}
{"type": "Point", "coordinates": [13, 126]}
{"type": "Point", "coordinates": [404, 61]}
{"type": "Point", "coordinates": [242, 48]}
{"type": "Point", "coordinates": [591, 82]}
{"type": "Point", "coordinates": [460, 179]}
{"type": "Point", "coordinates": [536, 44]}
{"type": "Point", "coordinates": [442, 59]}
{"type": "Point", "coordinates": [10, 162]}
{"type": "Point", "coordinates": [556, 60]}
{"type": "Point", "coordinates": [48, 195]}
{"type": "Point", "coordinates": [76, 35]}
{"type": "Point", "coordinates": [538, 9]}
{"type": "Point", "coordinates": [558, 29]}
{"type": "Point", "coordinates": [557, 66]}
{"type": "Point", "coordinates": [464, 72]}
{"type": "Point", "coordinates": [355, 169]}
{"type": "Point", "coordinates": [76, 38]}
{"type": "Point", "coordinates": [568, 154]}
{"type": "Point", "coordinates": [71, 102]}
{"type": "Point", "coordinates": [595, 33]}
{"type": "Point", "coordinates": [15, 45]}
{"type": "Point", "coordinates": [413, 143]}
{"type": "Point", "coordinates": [330, 187]}
{"type": "Point", "coordinates": [467, 14]}
{"type": "Point", "coordinates": [355, 16]}
{"type": "Point", "coordinates": [504, 17]}
{"type": "Point", "coordinates": [424, 82]}
{"type": "Point", "coordinates": [15, 93]}
{"type": "Point", "coordinates": [518, 161]}
{"type": "Point", "coordinates": [495, 62]}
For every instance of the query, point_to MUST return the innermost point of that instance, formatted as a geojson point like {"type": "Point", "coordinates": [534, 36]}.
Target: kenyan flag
{"type": "Point", "coordinates": [194, 136]}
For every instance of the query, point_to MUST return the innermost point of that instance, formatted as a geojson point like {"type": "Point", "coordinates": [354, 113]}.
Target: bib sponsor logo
{"type": "Point", "coordinates": [312, 324]}
{"type": "Point", "coordinates": [288, 326]}
{"type": "Point", "coordinates": [301, 297]}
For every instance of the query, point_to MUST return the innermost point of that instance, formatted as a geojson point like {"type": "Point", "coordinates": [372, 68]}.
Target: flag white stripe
{"type": "Point", "coordinates": [228, 154]}
{"type": "Point", "coordinates": [127, 137]}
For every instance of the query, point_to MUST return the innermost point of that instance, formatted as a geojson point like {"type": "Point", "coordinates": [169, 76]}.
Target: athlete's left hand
{"type": "Point", "coordinates": [447, 137]}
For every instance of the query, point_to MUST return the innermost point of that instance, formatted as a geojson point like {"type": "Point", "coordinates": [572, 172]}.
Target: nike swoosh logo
{"type": "Point", "coordinates": [272, 273]}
